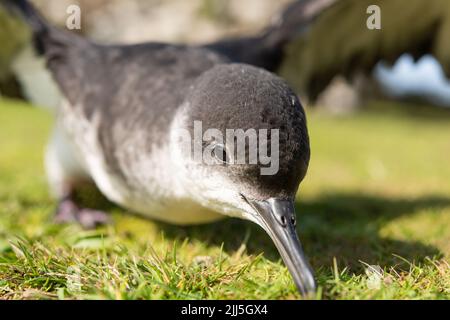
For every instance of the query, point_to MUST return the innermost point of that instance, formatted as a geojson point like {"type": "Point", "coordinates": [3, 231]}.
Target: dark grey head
{"type": "Point", "coordinates": [228, 108]}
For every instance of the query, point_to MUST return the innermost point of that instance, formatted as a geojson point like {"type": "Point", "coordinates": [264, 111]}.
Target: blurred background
{"type": "Point", "coordinates": [338, 67]}
{"type": "Point", "coordinates": [378, 106]}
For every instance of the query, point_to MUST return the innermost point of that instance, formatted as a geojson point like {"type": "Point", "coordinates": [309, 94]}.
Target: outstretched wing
{"type": "Point", "coordinates": [339, 42]}
{"type": "Point", "coordinates": [266, 50]}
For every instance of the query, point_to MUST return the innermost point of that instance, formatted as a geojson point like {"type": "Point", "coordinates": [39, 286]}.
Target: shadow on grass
{"type": "Point", "coordinates": [342, 225]}
{"type": "Point", "coordinates": [345, 226]}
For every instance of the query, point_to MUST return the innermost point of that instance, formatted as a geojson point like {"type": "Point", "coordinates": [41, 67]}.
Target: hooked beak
{"type": "Point", "coordinates": [277, 217]}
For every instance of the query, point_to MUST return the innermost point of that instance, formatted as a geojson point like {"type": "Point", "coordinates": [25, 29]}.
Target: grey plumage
{"type": "Point", "coordinates": [267, 49]}
{"type": "Point", "coordinates": [137, 89]}
{"type": "Point", "coordinates": [242, 96]}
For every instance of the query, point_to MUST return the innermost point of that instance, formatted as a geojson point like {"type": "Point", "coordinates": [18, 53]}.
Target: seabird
{"type": "Point", "coordinates": [119, 125]}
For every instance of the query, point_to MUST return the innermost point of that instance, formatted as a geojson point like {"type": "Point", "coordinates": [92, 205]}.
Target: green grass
{"type": "Point", "coordinates": [377, 194]}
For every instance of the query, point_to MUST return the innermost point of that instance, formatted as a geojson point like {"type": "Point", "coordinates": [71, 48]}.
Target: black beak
{"type": "Point", "coordinates": [277, 217]}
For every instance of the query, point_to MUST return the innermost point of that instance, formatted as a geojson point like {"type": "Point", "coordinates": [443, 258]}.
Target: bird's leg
{"type": "Point", "coordinates": [68, 211]}
{"type": "Point", "coordinates": [65, 174]}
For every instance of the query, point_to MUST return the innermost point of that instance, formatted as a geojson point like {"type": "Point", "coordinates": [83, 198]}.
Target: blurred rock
{"type": "Point", "coordinates": [343, 96]}
{"type": "Point", "coordinates": [340, 97]}
{"type": "Point", "coordinates": [36, 81]}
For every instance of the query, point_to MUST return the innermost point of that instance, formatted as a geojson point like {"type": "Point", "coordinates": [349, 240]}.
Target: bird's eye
{"type": "Point", "coordinates": [220, 154]}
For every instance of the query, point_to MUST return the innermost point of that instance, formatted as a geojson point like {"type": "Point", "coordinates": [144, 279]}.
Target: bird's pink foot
{"type": "Point", "coordinates": [68, 212]}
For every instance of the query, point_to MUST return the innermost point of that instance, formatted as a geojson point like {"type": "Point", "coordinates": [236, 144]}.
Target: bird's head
{"type": "Point", "coordinates": [241, 146]}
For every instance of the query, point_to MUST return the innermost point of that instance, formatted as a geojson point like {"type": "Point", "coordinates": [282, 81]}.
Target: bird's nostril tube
{"type": "Point", "coordinates": [283, 221]}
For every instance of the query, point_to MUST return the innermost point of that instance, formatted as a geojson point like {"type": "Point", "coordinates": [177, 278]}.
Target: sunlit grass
{"type": "Point", "coordinates": [374, 217]}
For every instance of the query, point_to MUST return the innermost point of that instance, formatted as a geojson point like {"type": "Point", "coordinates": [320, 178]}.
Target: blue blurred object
{"type": "Point", "coordinates": [424, 78]}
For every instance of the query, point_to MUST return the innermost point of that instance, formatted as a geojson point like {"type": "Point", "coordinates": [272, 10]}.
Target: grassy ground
{"type": "Point", "coordinates": [374, 216]}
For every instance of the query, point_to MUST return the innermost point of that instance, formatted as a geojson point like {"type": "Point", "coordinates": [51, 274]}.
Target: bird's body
{"type": "Point", "coordinates": [108, 126]}
{"type": "Point", "coordinates": [128, 112]}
